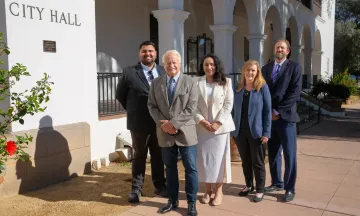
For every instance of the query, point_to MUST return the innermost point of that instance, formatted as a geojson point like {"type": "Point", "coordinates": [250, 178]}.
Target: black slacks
{"type": "Point", "coordinates": [141, 143]}
{"type": "Point", "coordinates": [252, 154]}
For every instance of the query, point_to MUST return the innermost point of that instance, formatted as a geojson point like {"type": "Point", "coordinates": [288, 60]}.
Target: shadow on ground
{"type": "Point", "coordinates": [341, 129]}
{"type": "Point", "coordinates": [110, 188]}
{"type": "Point", "coordinates": [101, 192]}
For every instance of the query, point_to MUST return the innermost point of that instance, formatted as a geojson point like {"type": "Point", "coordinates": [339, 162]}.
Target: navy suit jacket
{"type": "Point", "coordinates": [132, 92]}
{"type": "Point", "coordinates": [259, 112]}
{"type": "Point", "coordinates": [286, 89]}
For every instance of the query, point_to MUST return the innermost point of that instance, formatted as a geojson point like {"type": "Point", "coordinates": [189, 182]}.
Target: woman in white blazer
{"type": "Point", "coordinates": [214, 124]}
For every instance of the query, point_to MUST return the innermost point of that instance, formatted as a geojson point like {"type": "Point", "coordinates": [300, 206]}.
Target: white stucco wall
{"type": "Point", "coordinates": [120, 28]}
{"type": "Point", "coordinates": [2, 18]}
{"type": "Point", "coordinates": [72, 67]}
{"type": "Point", "coordinates": [327, 31]}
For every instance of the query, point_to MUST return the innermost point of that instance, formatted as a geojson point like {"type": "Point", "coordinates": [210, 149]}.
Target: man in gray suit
{"type": "Point", "coordinates": [172, 103]}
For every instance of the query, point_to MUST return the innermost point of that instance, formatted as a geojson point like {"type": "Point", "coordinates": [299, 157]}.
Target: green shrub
{"type": "Point", "coordinates": [345, 79]}
{"type": "Point", "coordinates": [331, 90]}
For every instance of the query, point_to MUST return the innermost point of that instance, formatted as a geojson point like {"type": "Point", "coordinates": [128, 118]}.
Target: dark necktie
{"type": "Point", "coordinates": [171, 89]}
{"type": "Point", "coordinates": [151, 76]}
{"type": "Point", "coordinates": [276, 72]}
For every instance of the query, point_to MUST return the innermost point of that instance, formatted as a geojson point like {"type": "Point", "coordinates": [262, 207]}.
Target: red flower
{"type": "Point", "coordinates": [10, 147]}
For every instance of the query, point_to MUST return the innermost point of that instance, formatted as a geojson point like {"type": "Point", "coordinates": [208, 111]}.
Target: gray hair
{"type": "Point", "coordinates": [171, 52]}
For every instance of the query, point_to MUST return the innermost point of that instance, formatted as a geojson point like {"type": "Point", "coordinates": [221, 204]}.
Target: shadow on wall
{"type": "Point", "coordinates": [52, 159]}
{"type": "Point", "coordinates": [107, 64]}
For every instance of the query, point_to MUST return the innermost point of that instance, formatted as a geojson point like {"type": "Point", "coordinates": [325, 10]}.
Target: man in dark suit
{"type": "Point", "coordinates": [132, 92]}
{"type": "Point", "coordinates": [284, 79]}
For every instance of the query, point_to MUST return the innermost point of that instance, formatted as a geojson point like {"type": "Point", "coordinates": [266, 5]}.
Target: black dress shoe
{"type": "Point", "coordinates": [245, 193]}
{"type": "Point", "coordinates": [161, 191]}
{"type": "Point", "coordinates": [169, 206]}
{"type": "Point", "coordinates": [258, 199]}
{"type": "Point", "coordinates": [288, 196]}
{"type": "Point", "coordinates": [191, 209]}
{"type": "Point", "coordinates": [134, 197]}
{"type": "Point", "coordinates": [272, 188]}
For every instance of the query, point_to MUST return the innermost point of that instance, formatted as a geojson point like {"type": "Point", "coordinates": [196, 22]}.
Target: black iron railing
{"type": "Point", "coordinates": [309, 110]}
{"type": "Point", "coordinates": [307, 85]}
{"type": "Point", "coordinates": [107, 103]}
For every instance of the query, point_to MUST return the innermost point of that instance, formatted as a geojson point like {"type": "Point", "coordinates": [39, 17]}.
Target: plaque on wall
{"type": "Point", "coordinates": [49, 46]}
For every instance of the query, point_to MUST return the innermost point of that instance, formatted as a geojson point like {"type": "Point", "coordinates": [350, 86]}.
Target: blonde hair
{"type": "Point", "coordinates": [259, 79]}
{"type": "Point", "coordinates": [171, 52]}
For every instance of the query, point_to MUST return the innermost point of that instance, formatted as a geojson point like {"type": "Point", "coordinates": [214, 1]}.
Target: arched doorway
{"type": "Point", "coordinates": [241, 43]}
{"type": "Point", "coordinates": [292, 35]}
{"type": "Point", "coordinates": [274, 32]}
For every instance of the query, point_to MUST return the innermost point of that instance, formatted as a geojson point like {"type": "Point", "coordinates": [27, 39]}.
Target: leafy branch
{"type": "Point", "coordinates": [21, 104]}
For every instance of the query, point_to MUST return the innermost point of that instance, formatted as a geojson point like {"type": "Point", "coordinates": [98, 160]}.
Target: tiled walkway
{"type": "Point", "coordinates": [328, 182]}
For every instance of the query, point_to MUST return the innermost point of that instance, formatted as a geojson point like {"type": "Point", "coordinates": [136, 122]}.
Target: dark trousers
{"type": "Point", "coordinates": [141, 142]}
{"type": "Point", "coordinates": [188, 156]}
{"type": "Point", "coordinates": [283, 137]}
{"type": "Point", "coordinates": [252, 153]}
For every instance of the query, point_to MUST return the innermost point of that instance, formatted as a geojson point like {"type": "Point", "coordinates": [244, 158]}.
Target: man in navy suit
{"type": "Point", "coordinates": [284, 79]}
{"type": "Point", "coordinates": [132, 92]}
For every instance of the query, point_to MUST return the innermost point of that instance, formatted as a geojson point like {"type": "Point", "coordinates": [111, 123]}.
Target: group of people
{"type": "Point", "coordinates": [169, 113]}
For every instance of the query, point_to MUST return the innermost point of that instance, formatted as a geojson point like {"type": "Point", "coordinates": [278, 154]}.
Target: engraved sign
{"type": "Point", "coordinates": [49, 46]}
{"type": "Point", "coordinates": [39, 13]}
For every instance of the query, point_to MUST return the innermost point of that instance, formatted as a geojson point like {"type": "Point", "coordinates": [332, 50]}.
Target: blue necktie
{"type": "Point", "coordinates": [171, 89]}
{"type": "Point", "coordinates": [276, 73]}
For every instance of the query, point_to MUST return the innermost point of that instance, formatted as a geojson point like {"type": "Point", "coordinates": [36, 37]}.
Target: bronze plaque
{"type": "Point", "coordinates": [49, 46]}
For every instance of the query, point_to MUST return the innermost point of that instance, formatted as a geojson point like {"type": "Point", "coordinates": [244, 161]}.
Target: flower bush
{"type": "Point", "coordinates": [19, 105]}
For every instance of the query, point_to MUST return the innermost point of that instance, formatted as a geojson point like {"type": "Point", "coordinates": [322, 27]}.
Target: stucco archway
{"type": "Point", "coordinates": [241, 43]}
{"type": "Point", "coordinates": [274, 31]}
{"type": "Point", "coordinates": [293, 36]}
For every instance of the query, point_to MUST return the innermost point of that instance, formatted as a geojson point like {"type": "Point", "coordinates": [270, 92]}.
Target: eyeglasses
{"type": "Point", "coordinates": [151, 76]}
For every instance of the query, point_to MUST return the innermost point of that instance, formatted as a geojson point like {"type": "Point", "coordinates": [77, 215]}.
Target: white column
{"type": "Point", "coordinates": [171, 29]}
{"type": "Point", "coordinates": [296, 53]}
{"type": "Point", "coordinates": [239, 50]}
{"type": "Point", "coordinates": [223, 30]}
{"type": "Point", "coordinates": [223, 44]}
{"type": "Point", "coordinates": [308, 64]}
{"type": "Point", "coordinates": [316, 69]}
{"type": "Point", "coordinates": [256, 47]}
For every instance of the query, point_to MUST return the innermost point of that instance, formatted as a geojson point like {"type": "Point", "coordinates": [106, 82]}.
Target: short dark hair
{"type": "Point", "coordinates": [219, 75]}
{"type": "Point", "coordinates": [147, 43]}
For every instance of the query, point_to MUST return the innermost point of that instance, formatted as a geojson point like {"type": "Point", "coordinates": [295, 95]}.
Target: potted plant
{"type": "Point", "coordinates": [19, 104]}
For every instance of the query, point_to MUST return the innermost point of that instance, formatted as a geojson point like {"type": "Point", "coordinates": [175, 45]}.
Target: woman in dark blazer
{"type": "Point", "coordinates": [252, 118]}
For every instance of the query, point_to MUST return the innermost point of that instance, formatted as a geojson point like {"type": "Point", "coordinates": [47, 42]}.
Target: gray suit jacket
{"type": "Point", "coordinates": [180, 112]}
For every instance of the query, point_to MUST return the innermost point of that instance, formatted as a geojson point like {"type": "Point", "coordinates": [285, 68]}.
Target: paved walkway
{"type": "Point", "coordinates": [328, 182]}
